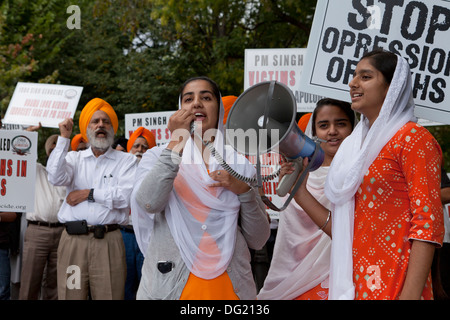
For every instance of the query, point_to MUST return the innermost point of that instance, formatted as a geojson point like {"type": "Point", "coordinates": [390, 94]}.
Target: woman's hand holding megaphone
{"type": "Point", "coordinates": [294, 168]}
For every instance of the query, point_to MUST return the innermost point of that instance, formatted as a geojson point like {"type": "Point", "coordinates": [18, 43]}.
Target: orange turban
{"type": "Point", "coordinates": [90, 108]}
{"type": "Point", "coordinates": [303, 122]}
{"type": "Point", "coordinates": [76, 141]}
{"type": "Point", "coordinates": [147, 134]}
{"type": "Point", "coordinates": [227, 104]}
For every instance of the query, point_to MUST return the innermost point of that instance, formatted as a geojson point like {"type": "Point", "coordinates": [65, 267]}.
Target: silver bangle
{"type": "Point", "coordinates": [326, 222]}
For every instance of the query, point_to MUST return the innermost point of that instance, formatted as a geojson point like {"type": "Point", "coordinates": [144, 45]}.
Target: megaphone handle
{"type": "Point", "coordinates": [296, 187]}
{"type": "Point", "coordinates": [288, 180]}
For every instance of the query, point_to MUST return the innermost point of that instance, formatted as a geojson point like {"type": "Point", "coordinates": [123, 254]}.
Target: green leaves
{"type": "Point", "coordinates": [136, 53]}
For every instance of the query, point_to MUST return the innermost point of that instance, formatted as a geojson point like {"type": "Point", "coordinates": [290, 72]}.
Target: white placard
{"type": "Point", "coordinates": [48, 104]}
{"type": "Point", "coordinates": [282, 65]}
{"type": "Point", "coordinates": [18, 156]}
{"type": "Point", "coordinates": [419, 31]}
{"type": "Point", "coordinates": [156, 122]}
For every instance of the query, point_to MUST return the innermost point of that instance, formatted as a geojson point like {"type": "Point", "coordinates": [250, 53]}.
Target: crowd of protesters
{"type": "Point", "coordinates": [127, 219]}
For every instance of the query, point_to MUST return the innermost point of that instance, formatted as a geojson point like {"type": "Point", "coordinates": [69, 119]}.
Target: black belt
{"type": "Point", "coordinates": [104, 227]}
{"type": "Point", "coordinates": [46, 224]}
{"type": "Point", "coordinates": [81, 227]}
{"type": "Point", "coordinates": [127, 228]}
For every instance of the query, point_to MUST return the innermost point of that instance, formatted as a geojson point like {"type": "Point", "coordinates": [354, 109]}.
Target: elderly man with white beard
{"type": "Point", "coordinates": [140, 141]}
{"type": "Point", "coordinates": [99, 182]}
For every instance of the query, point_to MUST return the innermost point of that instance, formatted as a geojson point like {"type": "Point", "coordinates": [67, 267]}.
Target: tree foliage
{"type": "Point", "coordinates": [29, 39]}
{"type": "Point", "coordinates": [136, 53]}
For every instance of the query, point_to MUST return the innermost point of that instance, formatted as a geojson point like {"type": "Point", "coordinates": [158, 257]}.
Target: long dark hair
{"type": "Point", "coordinates": [344, 106]}
{"type": "Point", "coordinates": [384, 61]}
{"type": "Point", "coordinates": [214, 86]}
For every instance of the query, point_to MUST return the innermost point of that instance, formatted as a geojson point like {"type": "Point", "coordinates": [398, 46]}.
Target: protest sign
{"type": "Point", "coordinates": [285, 66]}
{"type": "Point", "coordinates": [343, 31]}
{"type": "Point", "coordinates": [18, 156]}
{"type": "Point", "coordinates": [48, 104]}
{"type": "Point", "coordinates": [282, 65]}
{"type": "Point", "coordinates": [156, 122]}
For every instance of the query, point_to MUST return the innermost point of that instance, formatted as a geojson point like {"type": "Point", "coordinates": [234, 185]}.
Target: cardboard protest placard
{"type": "Point", "coordinates": [282, 65]}
{"type": "Point", "coordinates": [18, 156]}
{"type": "Point", "coordinates": [48, 104]}
{"type": "Point", "coordinates": [343, 31]}
{"type": "Point", "coordinates": [156, 122]}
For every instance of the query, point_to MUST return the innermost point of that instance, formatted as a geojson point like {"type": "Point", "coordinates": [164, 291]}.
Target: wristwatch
{"type": "Point", "coordinates": [91, 196]}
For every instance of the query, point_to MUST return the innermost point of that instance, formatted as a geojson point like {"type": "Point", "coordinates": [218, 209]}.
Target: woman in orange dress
{"type": "Point", "coordinates": [384, 182]}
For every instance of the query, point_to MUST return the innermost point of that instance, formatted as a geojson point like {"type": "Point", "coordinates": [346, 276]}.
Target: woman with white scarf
{"type": "Point", "coordinates": [301, 261]}
{"type": "Point", "coordinates": [195, 222]}
{"type": "Point", "coordinates": [385, 219]}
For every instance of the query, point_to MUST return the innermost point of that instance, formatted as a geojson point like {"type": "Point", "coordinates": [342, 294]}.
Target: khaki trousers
{"type": "Point", "coordinates": [87, 265]}
{"type": "Point", "coordinates": [39, 259]}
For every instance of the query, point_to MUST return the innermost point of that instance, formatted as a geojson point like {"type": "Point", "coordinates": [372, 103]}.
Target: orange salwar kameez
{"type": "Point", "coordinates": [397, 202]}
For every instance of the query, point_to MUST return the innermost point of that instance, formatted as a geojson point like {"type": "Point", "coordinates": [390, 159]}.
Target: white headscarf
{"type": "Point", "coordinates": [301, 259]}
{"type": "Point", "coordinates": [350, 164]}
{"type": "Point", "coordinates": [191, 198]}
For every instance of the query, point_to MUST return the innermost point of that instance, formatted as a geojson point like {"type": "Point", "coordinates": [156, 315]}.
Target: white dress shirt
{"type": "Point", "coordinates": [47, 199]}
{"type": "Point", "coordinates": [111, 175]}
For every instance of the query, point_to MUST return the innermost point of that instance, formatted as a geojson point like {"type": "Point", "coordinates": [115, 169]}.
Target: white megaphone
{"type": "Point", "coordinates": [263, 119]}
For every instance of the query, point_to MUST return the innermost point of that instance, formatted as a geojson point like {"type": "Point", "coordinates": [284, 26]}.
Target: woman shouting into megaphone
{"type": "Point", "coordinates": [187, 208]}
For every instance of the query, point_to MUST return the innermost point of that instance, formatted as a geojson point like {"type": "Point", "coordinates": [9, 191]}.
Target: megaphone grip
{"type": "Point", "coordinates": [297, 184]}
{"type": "Point", "coordinates": [288, 180]}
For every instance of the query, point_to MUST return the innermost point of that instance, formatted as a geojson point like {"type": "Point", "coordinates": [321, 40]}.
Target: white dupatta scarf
{"type": "Point", "coordinates": [350, 164]}
{"type": "Point", "coordinates": [202, 219]}
{"type": "Point", "coordinates": [301, 258]}
{"type": "Point", "coordinates": [206, 244]}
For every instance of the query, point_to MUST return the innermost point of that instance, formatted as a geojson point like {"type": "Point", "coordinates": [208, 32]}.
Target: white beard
{"type": "Point", "coordinates": [138, 156]}
{"type": "Point", "coordinates": [101, 144]}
